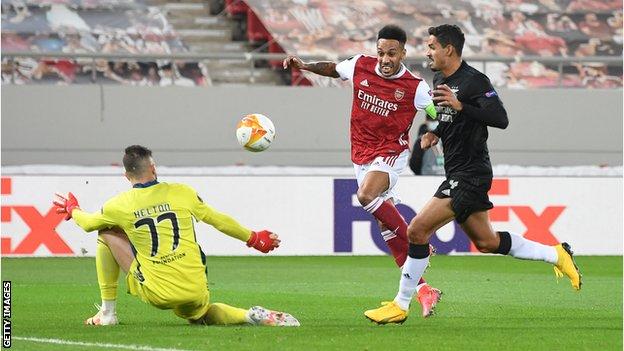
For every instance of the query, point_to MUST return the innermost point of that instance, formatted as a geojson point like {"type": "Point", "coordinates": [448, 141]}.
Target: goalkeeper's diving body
{"type": "Point", "coordinates": [148, 232]}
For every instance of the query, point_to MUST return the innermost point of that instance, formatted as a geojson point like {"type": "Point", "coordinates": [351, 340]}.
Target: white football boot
{"type": "Point", "coordinates": [102, 318]}
{"type": "Point", "coordinates": [258, 315]}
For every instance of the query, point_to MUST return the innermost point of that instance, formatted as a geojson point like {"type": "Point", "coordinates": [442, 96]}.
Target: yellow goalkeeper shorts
{"type": "Point", "coordinates": [188, 298]}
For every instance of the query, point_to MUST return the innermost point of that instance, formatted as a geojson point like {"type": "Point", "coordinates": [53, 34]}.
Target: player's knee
{"type": "Point", "coordinates": [417, 232]}
{"type": "Point", "coordinates": [112, 231]}
{"type": "Point", "coordinates": [365, 197]}
{"type": "Point", "coordinates": [486, 246]}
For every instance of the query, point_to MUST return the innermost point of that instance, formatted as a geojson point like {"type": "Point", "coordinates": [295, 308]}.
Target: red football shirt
{"type": "Point", "coordinates": [383, 108]}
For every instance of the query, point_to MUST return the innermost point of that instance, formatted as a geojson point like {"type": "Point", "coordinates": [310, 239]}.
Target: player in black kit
{"type": "Point", "coordinates": [466, 104]}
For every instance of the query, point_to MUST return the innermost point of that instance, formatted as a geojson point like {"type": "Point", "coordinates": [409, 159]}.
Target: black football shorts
{"type": "Point", "coordinates": [468, 195]}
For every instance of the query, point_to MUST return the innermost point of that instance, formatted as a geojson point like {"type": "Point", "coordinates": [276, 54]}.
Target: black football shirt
{"type": "Point", "coordinates": [464, 134]}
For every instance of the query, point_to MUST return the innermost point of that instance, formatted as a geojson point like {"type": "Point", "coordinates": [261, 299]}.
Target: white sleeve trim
{"type": "Point", "coordinates": [346, 68]}
{"type": "Point", "coordinates": [422, 98]}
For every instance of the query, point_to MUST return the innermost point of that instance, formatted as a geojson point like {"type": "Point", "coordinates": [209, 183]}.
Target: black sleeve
{"type": "Point", "coordinates": [437, 131]}
{"type": "Point", "coordinates": [415, 161]}
{"type": "Point", "coordinates": [485, 105]}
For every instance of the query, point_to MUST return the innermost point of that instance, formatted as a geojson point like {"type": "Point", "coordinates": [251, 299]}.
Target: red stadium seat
{"type": "Point", "coordinates": [255, 29]}
{"type": "Point", "coordinates": [299, 79]}
{"type": "Point", "coordinates": [236, 7]}
{"type": "Point", "coordinates": [275, 48]}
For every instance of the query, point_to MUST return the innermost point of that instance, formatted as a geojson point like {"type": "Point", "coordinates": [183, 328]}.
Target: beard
{"type": "Point", "coordinates": [434, 69]}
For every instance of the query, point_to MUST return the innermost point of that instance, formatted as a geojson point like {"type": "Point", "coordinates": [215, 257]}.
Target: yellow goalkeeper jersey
{"type": "Point", "coordinates": [158, 219]}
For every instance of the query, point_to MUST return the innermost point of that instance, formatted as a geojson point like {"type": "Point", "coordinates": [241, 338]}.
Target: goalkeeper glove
{"type": "Point", "coordinates": [66, 205]}
{"type": "Point", "coordinates": [263, 241]}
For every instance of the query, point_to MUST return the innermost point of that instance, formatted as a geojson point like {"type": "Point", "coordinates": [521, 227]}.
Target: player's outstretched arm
{"type": "Point", "coordinates": [323, 68]}
{"type": "Point", "coordinates": [87, 221]}
{"type": "Point", "coordinates": [263, 241]}
{"type": "Point", "coordinates": [65, 205]}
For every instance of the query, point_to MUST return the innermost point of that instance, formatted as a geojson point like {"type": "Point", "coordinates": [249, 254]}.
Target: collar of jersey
{"type": "Point", "coordinates": [395, 76]}
{"type": "Point", "coordinates": [463, 64]}
{"type": "Point", "coordinates": [145, 185]}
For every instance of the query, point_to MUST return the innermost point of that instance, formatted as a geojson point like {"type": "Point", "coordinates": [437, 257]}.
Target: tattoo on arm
{"type": "Point", "coordinates": [324, 68]}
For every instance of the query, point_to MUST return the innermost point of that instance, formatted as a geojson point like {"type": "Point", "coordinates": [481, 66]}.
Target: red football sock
{"type": "Point", "coordinates": [397, 245]}
{"type": "Point", "coordinates": [396, 235]}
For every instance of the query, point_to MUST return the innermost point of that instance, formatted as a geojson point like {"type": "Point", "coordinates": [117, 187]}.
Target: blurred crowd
{"type": "Point", "coordinates": [89, 26]}
{"type": "Point", "coordinates": [502, 28]}
{"type": "Point", "coordinates": [336, 28]}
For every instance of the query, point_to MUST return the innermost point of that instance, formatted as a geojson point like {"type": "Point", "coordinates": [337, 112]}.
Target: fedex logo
{"type": "Point", "coordinates": [42, 227]}
{"type": "Point", "coordinates": [537, 225]}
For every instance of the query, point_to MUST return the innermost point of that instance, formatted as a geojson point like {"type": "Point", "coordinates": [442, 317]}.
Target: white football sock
{"type": "Point", "coordinates": [108, 307]}
{"type": "Point", "coordinates": [413, 269]}
{"type": "Point", "coordinates": [525, 249]}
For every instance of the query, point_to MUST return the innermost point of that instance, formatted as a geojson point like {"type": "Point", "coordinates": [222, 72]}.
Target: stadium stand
{"type": "Point", "coordinates": [124, 27]}
{"type": "Point", "coordinates": [504, 29]}
{"type": "Point", "coordinates": [82, 26]}
{"type": "Point", "coordinates": [514, 32]}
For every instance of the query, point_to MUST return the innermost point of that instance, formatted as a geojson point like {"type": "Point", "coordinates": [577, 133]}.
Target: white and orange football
{"type": "Point", "coordinates": [255, 132]}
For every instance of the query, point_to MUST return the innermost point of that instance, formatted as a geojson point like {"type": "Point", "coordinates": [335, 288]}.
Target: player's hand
{"type": "Point", "coordinates": [294, 62]}
{"type": "Point", "coordinates": [65, 205]}
{"type": "Point", "coordinates": [444, 96]}
{"type": "Point", "coordinates": [263, 241]}
{"type": "Point", "coordinates": [428, 140]}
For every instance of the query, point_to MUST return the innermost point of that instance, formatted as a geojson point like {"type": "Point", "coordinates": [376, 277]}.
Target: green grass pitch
{"type": "Point", "coordinates": [489, 303]}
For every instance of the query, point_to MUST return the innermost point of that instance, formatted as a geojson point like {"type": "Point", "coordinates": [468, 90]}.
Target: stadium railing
{"type": "Point", "coordinates": [253, 57]}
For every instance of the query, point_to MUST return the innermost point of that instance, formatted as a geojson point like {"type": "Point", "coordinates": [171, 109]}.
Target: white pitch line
{"type": "Point", "coordinates": [94, 344]}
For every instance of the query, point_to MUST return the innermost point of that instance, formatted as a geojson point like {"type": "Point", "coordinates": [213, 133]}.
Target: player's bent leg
{"type": "Point", "coordinates": [119, 245]}
{"type": "Point", "coordinates": [434, 214]}
{"type": "Point", "coordinates": [479, 230]}
{"type": "Point", "coordinates": [107, 271]}
{"type": "Point", "coordinates": [477, 227]}
{"type": "Point", "coordinates": [394, 233]}
{"type": "Point", "coordinates": [426, 295]}
{"type": "Point", "coordinates": [200, 311]}
{"type": "Point", "coordinates": [222, 314]}
{"type": "Point", "coordinates": [107, 274]}
{"type": "Point", "coordinates": [113, 252]}
{"type": "Point", "coordinates": [373, 185]}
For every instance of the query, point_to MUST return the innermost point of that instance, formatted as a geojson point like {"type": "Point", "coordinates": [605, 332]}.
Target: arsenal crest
{"type": "Point", "coordinates": [399, 94]}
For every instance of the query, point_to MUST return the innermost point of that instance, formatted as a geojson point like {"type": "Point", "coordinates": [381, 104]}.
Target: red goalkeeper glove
{"type": "Point", "coordinates": [263, 241]}
{"type": "Point", "coordinates": [66, 205]}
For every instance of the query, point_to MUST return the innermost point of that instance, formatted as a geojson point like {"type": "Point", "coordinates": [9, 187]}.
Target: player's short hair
{"type": "Point", "coordinates": [137, 159]}
{"type": "Point", "coordinates": [449, 34]}
{"type": "Point", "coordinates": [392, 31]}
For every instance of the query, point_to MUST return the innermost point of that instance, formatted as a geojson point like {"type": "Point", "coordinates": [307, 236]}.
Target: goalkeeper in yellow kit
{"type": "Point", "coordinates": [148, 231]}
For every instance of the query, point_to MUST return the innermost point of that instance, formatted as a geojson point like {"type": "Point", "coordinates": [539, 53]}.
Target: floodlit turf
{"type": "Point", "coordinates": [489, 303]}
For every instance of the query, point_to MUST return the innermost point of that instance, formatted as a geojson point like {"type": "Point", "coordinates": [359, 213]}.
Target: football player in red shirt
{"type": "Point", "coordinates": [386, 97]}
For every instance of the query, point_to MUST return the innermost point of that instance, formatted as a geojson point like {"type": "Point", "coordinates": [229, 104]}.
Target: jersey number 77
{"type": "Point", "coordinates": [151, 224]}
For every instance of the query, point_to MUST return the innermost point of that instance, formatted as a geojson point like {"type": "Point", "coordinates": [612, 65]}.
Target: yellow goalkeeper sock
{"type": "Point", "coordinates": [107, 271]}
{"type": "Point", "coordinates": [222, 314]}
